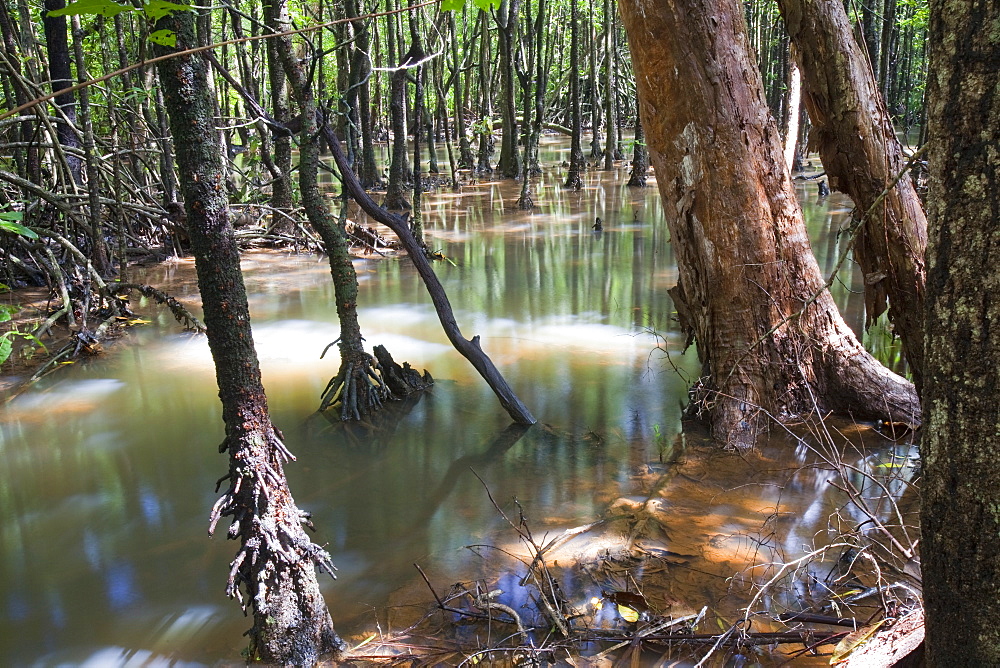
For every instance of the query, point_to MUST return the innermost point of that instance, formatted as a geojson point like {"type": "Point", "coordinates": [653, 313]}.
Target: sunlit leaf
{"type": "Point", "coordinates": [139, 321]}
{"type": "Point", "coordinates": [163, 37]}
{"type": "Point", "coordinates": [852, 641]}
{"type": "Point", "coordinates": [96, 7]}
{"type": "Point", "coordinates": [11, 215]}
{"type": "Point", "coordinates": [5, 348]}
{"type": "Point", "coordinates": [17, 228]}
{"type": "Point", "coordinates": [628, 614]}
{"type": "Point", "coordinates": [486, 5]}
{"type": "Point", "coordinates": [452, 5]}
{"type": "Point", "coordinates": [157, 9]}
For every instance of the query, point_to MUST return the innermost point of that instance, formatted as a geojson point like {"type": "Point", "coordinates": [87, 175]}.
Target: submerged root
{"type": "Point", "coordinates": [357, 390]}
{"type": "Point", "coordinates": [366, 382]}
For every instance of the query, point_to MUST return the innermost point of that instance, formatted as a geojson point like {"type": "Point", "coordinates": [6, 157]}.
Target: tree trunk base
{"type": "Point", "coordinates": [365, 382]}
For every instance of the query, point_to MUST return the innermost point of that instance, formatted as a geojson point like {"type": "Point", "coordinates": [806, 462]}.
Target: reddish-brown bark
{"type": "Point", "coordinates": [853, 132]}
{"type": "Point", "coordinates": [745, 266]}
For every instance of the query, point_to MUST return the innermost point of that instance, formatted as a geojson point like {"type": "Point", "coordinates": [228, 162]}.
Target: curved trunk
{"type": "Point", "coordinates": [771, 340]}
{"type": "Point", "coordinates": [358, 388]}
{"type": "Point", "coordinates": [854, 135]}
{"type": "Point", "coordinates": [274, 572]}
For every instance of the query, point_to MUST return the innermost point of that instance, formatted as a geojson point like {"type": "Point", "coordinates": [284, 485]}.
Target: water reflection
{"type": "Point", "coordinates": [110, 467]}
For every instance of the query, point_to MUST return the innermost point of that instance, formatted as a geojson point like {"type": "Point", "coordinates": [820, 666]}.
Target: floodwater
{"type": "Point", "coordinates": [109, 466]}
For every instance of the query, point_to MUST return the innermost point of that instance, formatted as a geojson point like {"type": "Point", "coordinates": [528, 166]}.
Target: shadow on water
{"type": "Point", "coordinates": [110, 466]}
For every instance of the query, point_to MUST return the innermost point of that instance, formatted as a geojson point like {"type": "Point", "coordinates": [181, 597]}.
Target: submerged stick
{"type": "Point", "coordinates": [470, 349]}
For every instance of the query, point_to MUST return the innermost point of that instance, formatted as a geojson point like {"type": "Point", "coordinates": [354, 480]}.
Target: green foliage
{"type": "Point", "coordinates": [107, 8]}
{"type": "Point", "coordinates": [7, 313]}
{"type": "Point", "coordinates": [153, 10]}
{"type": "Point", "coordinates": [9, 223]}
{"type": "Point", "coordinates": [455, 5]}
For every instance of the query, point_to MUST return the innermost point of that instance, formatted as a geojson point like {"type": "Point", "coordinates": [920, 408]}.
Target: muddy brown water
{"type": "Point", "coordinates": [109, 466]}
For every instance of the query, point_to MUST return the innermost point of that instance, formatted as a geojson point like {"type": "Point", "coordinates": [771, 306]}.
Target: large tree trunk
{"type": "Point", "coordinates": [960, 518]}
{"type": "Point", "coordinates": [274, 572]}
{"type": "Point", "coordinates": [856, 141]}
{"type": "Point", "coordinates": [506, 19]}
{"type": "Point", "coordinates": [746, 268]}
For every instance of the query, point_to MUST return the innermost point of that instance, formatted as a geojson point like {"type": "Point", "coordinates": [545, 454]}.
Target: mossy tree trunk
{"type": "Point", "coordinates": [960, 514]}
{"type": "Point", "coordinates": [746, 270]}
{"type": "Point", "coordinates": [274, 572]}
{"type": "Point", "coordinates": [358, 388]}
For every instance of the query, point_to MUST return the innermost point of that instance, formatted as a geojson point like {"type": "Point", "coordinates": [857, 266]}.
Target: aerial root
{"type": "Point", "coordinates": [357, 390]}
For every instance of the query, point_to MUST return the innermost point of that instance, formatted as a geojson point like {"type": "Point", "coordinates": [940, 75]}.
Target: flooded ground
{"type": "Point", "coordinates": [110, 466]}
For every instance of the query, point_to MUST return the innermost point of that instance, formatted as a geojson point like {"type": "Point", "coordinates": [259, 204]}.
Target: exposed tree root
{"type": "Point", "coordinates": [402, 380]}
{"type": "Point", "coordinates": [183, 316]}
{"type": "Point", "coordinates": [275, 550]}
{"type": "Point", "coordinates": [358, 388]}
{"type": "Point", "coordinates": [365, 382]}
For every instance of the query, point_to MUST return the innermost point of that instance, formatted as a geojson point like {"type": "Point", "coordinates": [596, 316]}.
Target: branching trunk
{"type": "Point", "coordinates": [854, 135]}
{"type": "Point", "coordinates": [274, 572]}
{"type": "Point", "coordinates": [358, 388]}
{"type": "Point", "coordinates": [769, 335]}
{"type": "Point", "coordinates": [470, 349]}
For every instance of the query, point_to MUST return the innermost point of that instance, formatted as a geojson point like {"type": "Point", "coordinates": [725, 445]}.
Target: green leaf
{"type": "Point", "coordinates": [157, 9]}
{"type": "Point", "coordinates": [7, 312]}
{"type": "Point", "coordinates": [17, 228]}
{"type": "Point", "coordinates": [452, 5]}
{"type": "Point", "coordinates": [486, 5]}
{"type": "Point", "coordinates": [163, 37]}
{"type": "Point", "coordinates": [5, 348]}
{"type": "Point", "coordinates": [11, 215]}
{"type": "Point", "coordinates": [97, 7]}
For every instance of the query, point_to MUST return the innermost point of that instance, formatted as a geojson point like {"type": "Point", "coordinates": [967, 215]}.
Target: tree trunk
{"type": "Point", "coordinates": [57, 49]}
{"type": "Point", "coordinates": [857, 143]}
{"type": "Point", "coordinates": [611, 119]}
{"type": "Point", "coordinates": [769, 335]}
{"type": "Point", "coordinates": [485, 131]}
{"type": "Point", "coordinates": [640, 158]}
{"type": "Point", "coordinates": [275, 14]}
{"type": "Point", "coordinates": [274, 572]}
{"type": "Point", "coordinates": [577, 163]}
{"type": "Point", "coordinates": [506, 20]}
{"type": "Point", "coordinates": [358, 388]}
{"type": "Point", "coordinates": [960, 514]}
{"type": "Point", "coordinates": [395, 196]}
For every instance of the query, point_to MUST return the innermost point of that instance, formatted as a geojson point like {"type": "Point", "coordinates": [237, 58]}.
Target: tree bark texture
{"type": "Point", "coordinates": [853, 132]}
{"type": "Point", "coordinates": [274, 571]}
{"type": "Point", "coordinates": [960, 510]}
{"type": "Point", "coordinates": [358, 388]}
{"type": "Point", "coordinates": [57, 50]}
{"type": "Point", "coordinates": [577, 162]}
{"type": "Point", "coordinates": [506, 18]}
{"type": "Point", "coordinates": [745, 266]}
